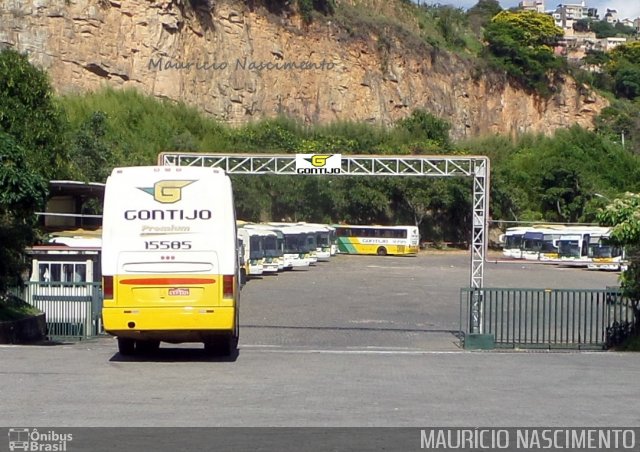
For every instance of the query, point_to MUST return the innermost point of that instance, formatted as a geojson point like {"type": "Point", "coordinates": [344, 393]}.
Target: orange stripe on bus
{"type": "Point", "coordinates": [167, 281]}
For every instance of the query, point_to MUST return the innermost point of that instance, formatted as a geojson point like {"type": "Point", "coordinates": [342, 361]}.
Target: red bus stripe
{"type": "Point", "coordinates": [166, 281]}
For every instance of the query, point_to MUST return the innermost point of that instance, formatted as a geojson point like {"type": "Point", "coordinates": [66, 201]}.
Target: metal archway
{"type": "Point", "coordinates": [477, 167]}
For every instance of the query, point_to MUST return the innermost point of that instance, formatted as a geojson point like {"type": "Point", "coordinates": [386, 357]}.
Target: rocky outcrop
{"type": "Point", "coordinates": [237, 63]}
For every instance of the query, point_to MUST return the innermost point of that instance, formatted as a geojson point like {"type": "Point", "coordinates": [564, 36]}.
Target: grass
{"type": "Point", "coordinates": [13, 308]}
{"type": "Point", "coordinates": [416, 28]}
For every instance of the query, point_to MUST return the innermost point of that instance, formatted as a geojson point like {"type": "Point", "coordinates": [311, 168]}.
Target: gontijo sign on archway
{"type": "Point", "coordinates": [476, 167]}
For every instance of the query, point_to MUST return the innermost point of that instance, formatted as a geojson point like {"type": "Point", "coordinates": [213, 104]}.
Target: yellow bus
{"type": "Point", "coordinates": [169, 258]}
{"type": "Point", "coordinates": [380, 240]}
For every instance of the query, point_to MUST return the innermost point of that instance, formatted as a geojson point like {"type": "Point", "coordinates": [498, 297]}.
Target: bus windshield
{"type": "Point", "coordinates": [295, 243]}
{"type": "Point", "coordinates": [255, 247]}
{"type": "Point", "coordinates": [271, 246]}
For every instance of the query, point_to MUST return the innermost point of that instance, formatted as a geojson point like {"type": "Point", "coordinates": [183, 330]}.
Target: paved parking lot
{"type": "Point", "coordinates": [361, 341]}
{"type": "Point", "coordinates": [384, 302]}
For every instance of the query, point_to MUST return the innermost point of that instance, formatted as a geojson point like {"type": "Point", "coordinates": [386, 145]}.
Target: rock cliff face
{"type": "Point", "coordinates": [239, 63]}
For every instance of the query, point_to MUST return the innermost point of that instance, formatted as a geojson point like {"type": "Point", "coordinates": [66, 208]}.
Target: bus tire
{"type": "Point", "coordinates": [147, 346]}
{"type": "Point", "coordinates": [126, 346]}
{"type": "Point", "coordinates": [382, 251]}
{"type": "Point", "coordinates": [223, 345]}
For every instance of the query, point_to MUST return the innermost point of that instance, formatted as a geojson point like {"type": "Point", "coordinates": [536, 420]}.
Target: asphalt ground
{"type": "Point", "coordinates": [384, 302]}
{"type": "Point", "coordinates": [360, 341]}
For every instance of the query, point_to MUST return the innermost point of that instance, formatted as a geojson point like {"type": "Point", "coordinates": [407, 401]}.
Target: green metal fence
{"type": "Point", "coordinates": [72, 310]}
{"type": "Point", "coordinates": [549, 318]}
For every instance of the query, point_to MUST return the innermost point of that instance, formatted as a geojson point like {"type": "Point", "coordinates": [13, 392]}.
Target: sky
{"type": "Point", "coordinates": [626, 8]}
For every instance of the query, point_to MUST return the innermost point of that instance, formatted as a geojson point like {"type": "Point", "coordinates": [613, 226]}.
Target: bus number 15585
{"type": "Point", "coordinates": [167, 245]}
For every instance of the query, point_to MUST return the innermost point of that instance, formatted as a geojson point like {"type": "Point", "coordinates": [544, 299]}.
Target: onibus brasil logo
{"type": "Point", "coordinates": [318, 163]}
{"type": "Point", "coordinates": [167, 191]}
{"type": "Point", "coordinates": [33, 440]}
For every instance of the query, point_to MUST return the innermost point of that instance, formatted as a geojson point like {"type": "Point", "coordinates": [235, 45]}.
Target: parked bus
{"type": "Point", "coordinates": [568, 245]}
{"type": "Point", "coordinates": [269, 247]}
{"type": "Point", "coordinates": [169, 258]}
{"type": "Point", "coordinates": [333, 240]}
{"type": "Point", "coordinates": [243, 264]}
{"type": "Point", "coordinates": [541, 243]}
{"type": "Point", "coordinates": [604, 255]}
{"type": "Point", "coordinates": [323, 240]}
{"type": "Point", "coordinates": [273, 246]}
{"type": "Point", "coordinates": [296, 251]}
{"type": "Point", "coordinates": [578, 243]}
{"type": "Point", "coordinates": [512, 241]}
{"type": "Point", "coordinates": [311, 243]}
{"type": "Point", "coordinates": [380, 240]}
{"type": "Point", "coordinates": [253, 251]}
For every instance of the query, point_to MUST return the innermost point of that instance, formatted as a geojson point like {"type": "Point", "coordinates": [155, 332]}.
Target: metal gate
{"type": "Point", "coordinates": [549, 318]}
{"type": "Point", "coordinates": [72, 309]}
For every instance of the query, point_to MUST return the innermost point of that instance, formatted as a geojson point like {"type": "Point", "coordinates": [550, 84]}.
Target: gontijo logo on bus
{"type": "Point", "coordinates": [167, 192]}
{"type": "Point", "coordinates": [318, 163]}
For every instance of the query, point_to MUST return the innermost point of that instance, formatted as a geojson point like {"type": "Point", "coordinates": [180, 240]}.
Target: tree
{"type": "Point", "coordinates": [425, 126]}
{"type": "Point", "coordinates": [451, 22]}
{"type": "Point", "coordinates": [535, 29]}
{"type": "Point", "coordinates": [522, 43]}
{"type": "Point", "coordinates": [624, 68]}
{"type": "Point", "coordinates": [22, 192]}
{"type": "Point", "coordinates": [623, 214]}
{"type": "Point", "coordinates": [621, 119]}
{"type": "Point", "coordinates": [481, 13]}
{"type": "Point", "coordinates": [91, 155]}
{"type": "Point", "coordinates": [30, 114]}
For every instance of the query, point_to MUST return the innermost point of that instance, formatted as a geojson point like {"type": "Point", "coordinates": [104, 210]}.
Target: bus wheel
{"type": "Point", "coordinates": [382, 251]}
{"type": "Point", "coordinates": [126, 346]}
{"type": "Point", "coordinates": [147, 346]}
{"type": "Point", "coordinates": [222, 345]}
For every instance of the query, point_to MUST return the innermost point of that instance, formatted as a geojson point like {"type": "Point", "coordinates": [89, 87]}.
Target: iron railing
{"type": "Point", "coordinates": [72, 310]}
{"type": "Point", "coordinates": [549, 318]}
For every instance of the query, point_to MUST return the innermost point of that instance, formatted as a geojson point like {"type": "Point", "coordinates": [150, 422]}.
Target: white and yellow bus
{"type": "Point", "coordinates": [380, 240]}
{"type": "Point", "coordinates": [272, 246]}
{"type": "Point", "coordinates": [169, 258]}
{"type": "Point", "coordinates": [323, 239]}
{"type": "Point", "coordinates": [296, 251]}
{"type": "Point", "coordinates": [253, 252]}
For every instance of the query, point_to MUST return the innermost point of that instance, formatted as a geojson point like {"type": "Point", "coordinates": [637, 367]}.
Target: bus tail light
{"type": "Point", "coordinates": [227, 286]}
{"type": "Point", "coordinates": [107, 287]}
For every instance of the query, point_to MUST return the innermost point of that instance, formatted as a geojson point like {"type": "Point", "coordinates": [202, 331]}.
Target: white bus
{"type": "Point", "coordinates": [577, 244]}
{"type": "Point", "coordinates": [323, 239]}
{"type": "Point", "coordinates": [296, 251]}
{"type": "Point", "coordinates": [169, 258]}
{"type": "Point", "coordinates": [605, 255]}
{"type": "Point", "coordinates": [253, 252]}
{"type": "Point", "coordinates": [272, 244]}
{"type": "Point", "coordinates": [512, 241]}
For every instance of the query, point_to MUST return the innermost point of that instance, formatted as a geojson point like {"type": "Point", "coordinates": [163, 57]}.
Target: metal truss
{"type": "Point", "coordinates": [476, 167]}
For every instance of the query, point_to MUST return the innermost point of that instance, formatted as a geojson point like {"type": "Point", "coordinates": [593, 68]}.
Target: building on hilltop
{"type": "Point", "coordinates": [592, 13]}
{"type": "Point", "coordinates": [532, 5]}
{"type": "Point", "coordinates": [611, 16]}
{"type": "Point", "coordinates": [566, 15]}
{"type": "Point", "coordinates": [627, 23]}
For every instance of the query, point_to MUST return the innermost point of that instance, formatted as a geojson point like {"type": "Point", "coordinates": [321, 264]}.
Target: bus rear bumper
{"type": "Point", "coordinates": [179, 324]}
